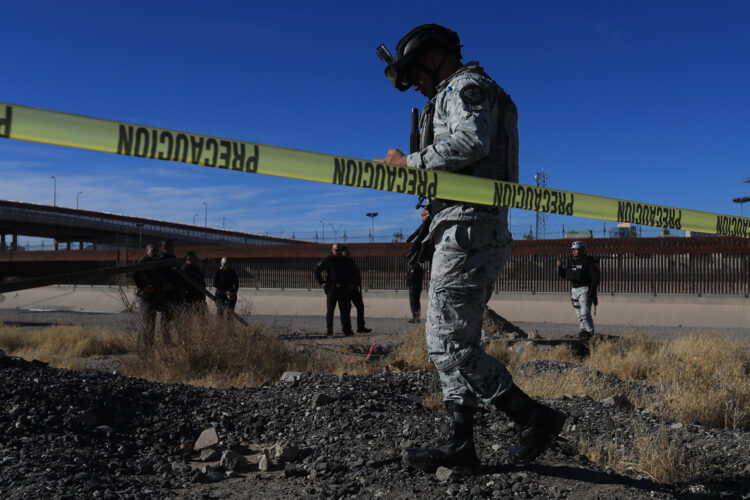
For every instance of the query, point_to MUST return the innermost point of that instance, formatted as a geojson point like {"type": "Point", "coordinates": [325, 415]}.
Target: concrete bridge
{"type": "Point", "coordinates": [71, 227]}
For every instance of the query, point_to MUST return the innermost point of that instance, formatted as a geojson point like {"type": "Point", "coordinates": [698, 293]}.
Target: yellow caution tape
{"type": "Point", "coordinates": [63, 129]}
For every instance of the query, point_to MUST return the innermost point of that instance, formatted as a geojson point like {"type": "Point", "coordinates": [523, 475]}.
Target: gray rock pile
{"type": "Point", "coordinates": [66, 434]}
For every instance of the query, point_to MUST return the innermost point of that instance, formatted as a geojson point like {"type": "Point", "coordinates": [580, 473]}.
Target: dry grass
{"type": "Point", "coordinates": [412, 349]}
{"type": "Point", "coordinates": [632, 357]}
{"type": "Point", "coordinates": [703, 377]}
{"type": "Point", "coordinates": [706, 378]}
{"type": "Point", "coordinates": [650, 455]}
{"type": "Point", "coordinates": [206, 350]}
{"type": "Point", "coordinates": [63, 346]}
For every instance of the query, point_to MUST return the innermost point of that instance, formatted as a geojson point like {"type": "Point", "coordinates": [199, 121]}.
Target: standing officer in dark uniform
{"type": "Point", "coordinates": [583, 274]}
{"type": "Point", "coordinates": [414, 278]}
{"type": "Point", "coordinates": [338, 286]}
{"type": "Point", "coordinates": [194, 298]}
{"type": "Point", "coordinates": [357, 301]}
{"type": "Point", "coordinates": [148, 289]}
{"type": "Point", "coordinates": [469, 126]}
{"type": "Point", "coordinates": [227, 285]}
{"type": "Point", "coordinates": [170, 297]}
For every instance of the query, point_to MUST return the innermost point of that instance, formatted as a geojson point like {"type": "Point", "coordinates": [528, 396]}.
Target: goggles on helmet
{"type": "Point", "coordinates": [399, 69]}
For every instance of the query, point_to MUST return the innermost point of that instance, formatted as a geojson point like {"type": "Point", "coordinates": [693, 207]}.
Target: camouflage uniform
{"type": "Point", "coordinates": [469, 127]}
{"type": "Point", "coordinates": [582, 305]}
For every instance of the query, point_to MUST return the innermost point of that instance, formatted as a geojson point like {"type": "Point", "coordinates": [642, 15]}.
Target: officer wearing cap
{"type": "Point", "coordinates": [583, 274]}
{"type": "Point", "coordinates": [468, 126]}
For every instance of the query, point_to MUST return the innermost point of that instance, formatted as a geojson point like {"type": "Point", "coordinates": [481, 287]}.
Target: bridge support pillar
{"type": "Point", "coordinates": [56, 246]}
{"type": "Point", "coordinates": [67, 245]}
{"type": "Point", "coordinates": [2, 242]}
{"type": "Point", "coordinates": [14, 243]}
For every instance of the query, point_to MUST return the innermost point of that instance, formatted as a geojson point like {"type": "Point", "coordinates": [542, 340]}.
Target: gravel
{"type": "Point", "coordinates": [93, 434]}
{"type": "Point", "coordinates": [67, 434]}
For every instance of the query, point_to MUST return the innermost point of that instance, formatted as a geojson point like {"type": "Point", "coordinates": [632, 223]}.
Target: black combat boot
{"type": "Point", "coordinates": [538, 425]}
{"type": "Point", "coordinates": [457, 452]}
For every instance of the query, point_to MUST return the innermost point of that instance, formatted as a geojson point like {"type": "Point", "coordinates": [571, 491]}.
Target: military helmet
{"type": "Point", "coordinates": [412, 46]}
{"type": "Point", "coordinates": [577, 245]}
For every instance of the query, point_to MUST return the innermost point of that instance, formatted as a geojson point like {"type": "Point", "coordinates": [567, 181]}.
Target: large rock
{"type": "Point", "coordinates": [207, 439]}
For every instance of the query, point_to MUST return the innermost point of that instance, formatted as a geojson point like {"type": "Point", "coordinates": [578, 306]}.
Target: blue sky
{"type": "Point", "coordinates": [640, 100]}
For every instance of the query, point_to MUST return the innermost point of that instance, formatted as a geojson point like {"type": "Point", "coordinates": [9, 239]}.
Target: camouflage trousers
{"type": "Point", "coordinates": [466, 263]}
{"type": "Point", "coordinates": [582, 304]}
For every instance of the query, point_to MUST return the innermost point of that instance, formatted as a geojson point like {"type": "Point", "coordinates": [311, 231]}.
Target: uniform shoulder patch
{"type": "Point", "coordinates": [474, 94]}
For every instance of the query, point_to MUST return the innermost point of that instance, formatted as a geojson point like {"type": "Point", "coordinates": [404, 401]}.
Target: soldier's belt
{"type": "Point", "coordinates": [63, 129]}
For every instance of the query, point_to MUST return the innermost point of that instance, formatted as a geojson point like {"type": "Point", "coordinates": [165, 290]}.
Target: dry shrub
{"type": "Point", "coordinates": [412, 349]}
{"type": "Point", "coordinates": [553, 353]}
{"type": "Point", "coordinates": [651, 455]}
{"type": "Point", "coordinates": [706, 378]}
{"type": "Point", "coordinates": [551, 385]}
{"type": "Point", "coordinates": [434, 401]}
{"type": "Point", "coordinates": [207, 350]}
{"type": "Point", "coordinates": [501, 350]}
{"type": "Point", "coordinates": [63, 346]}
{"type": "Point", "coordinates": [631, 357]}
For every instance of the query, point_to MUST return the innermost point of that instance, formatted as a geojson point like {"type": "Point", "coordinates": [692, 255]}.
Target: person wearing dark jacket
{"type": "Point", "coordinates": [148, 290]}
{"type": "Point", "coordinates": [583, 274]}
{"type": "Point", "coordinates": [414, 283]}
{"type": "Point", "coordinates": [170, 299]}
{"type": "Point", "coordinates": [193, 297]}
{"type": "Point", "coordinates": [357, 301]}
{"type": "Point", "coordinates": [338, 285]}
{"type": "Point", "coordinates": [226, 285]}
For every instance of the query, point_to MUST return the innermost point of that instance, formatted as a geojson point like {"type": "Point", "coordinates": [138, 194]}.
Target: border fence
{"type": "Point", "coordinates": [670, 265]}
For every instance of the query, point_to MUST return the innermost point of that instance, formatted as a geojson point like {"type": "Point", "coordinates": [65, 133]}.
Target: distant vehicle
{"type": "Point", "coordinates": [623, 230]}
{"type": "Point", "coordinates": [577, 234]}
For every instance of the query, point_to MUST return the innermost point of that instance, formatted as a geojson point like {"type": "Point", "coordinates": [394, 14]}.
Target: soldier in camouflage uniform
{"type": "Point", "coordinates": [468, 126]}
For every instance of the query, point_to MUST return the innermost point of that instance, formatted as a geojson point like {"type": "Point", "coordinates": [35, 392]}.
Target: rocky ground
{"type": "Point", "coordinates": [67, 434]}
{"type": "Point", "coordinates": [94, 434]}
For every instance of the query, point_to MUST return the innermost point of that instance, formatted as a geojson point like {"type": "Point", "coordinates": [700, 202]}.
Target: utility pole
{"type": "Point", "coordinates": [205, 221]}
{"type": "Point", "coordinates": [77, 195]}
{"type": "Point", "coordinates": [335, 231]}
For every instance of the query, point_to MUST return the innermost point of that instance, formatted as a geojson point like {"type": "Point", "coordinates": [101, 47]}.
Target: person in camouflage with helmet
{"type": "Point", "coordinates": [468, 126]}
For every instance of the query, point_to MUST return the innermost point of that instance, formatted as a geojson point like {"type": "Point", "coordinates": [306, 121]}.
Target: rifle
{"type": "Point", "coordinates": [416, 252]}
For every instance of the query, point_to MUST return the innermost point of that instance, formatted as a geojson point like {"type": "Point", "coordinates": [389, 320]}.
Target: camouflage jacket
{"type": "Point", "coordinates": [470, 127]}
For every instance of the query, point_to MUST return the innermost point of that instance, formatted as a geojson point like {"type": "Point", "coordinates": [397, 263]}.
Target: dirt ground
{"type": "Point", "coordinates": [306, 329]}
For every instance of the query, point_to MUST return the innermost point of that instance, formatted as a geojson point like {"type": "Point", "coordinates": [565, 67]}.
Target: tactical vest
{"type": "Point", "coordinates": [504, 142]}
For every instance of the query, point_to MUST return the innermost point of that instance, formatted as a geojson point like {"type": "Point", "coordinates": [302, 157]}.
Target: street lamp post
{"type": "Point", "coordinates": [77, 195]}
{"type": "Point", "coordinates": [323, 238]}
{"type": "Point", "coordinates": [194, 216]}
{"type": "Point", "coordinates": [54, 191]}
{"type": "Point", "coordinates": [741, 201]}
{"type": "Point", "coordinates": [205, 221]}
{"type": "Point", "coordinates": [372, 215]}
